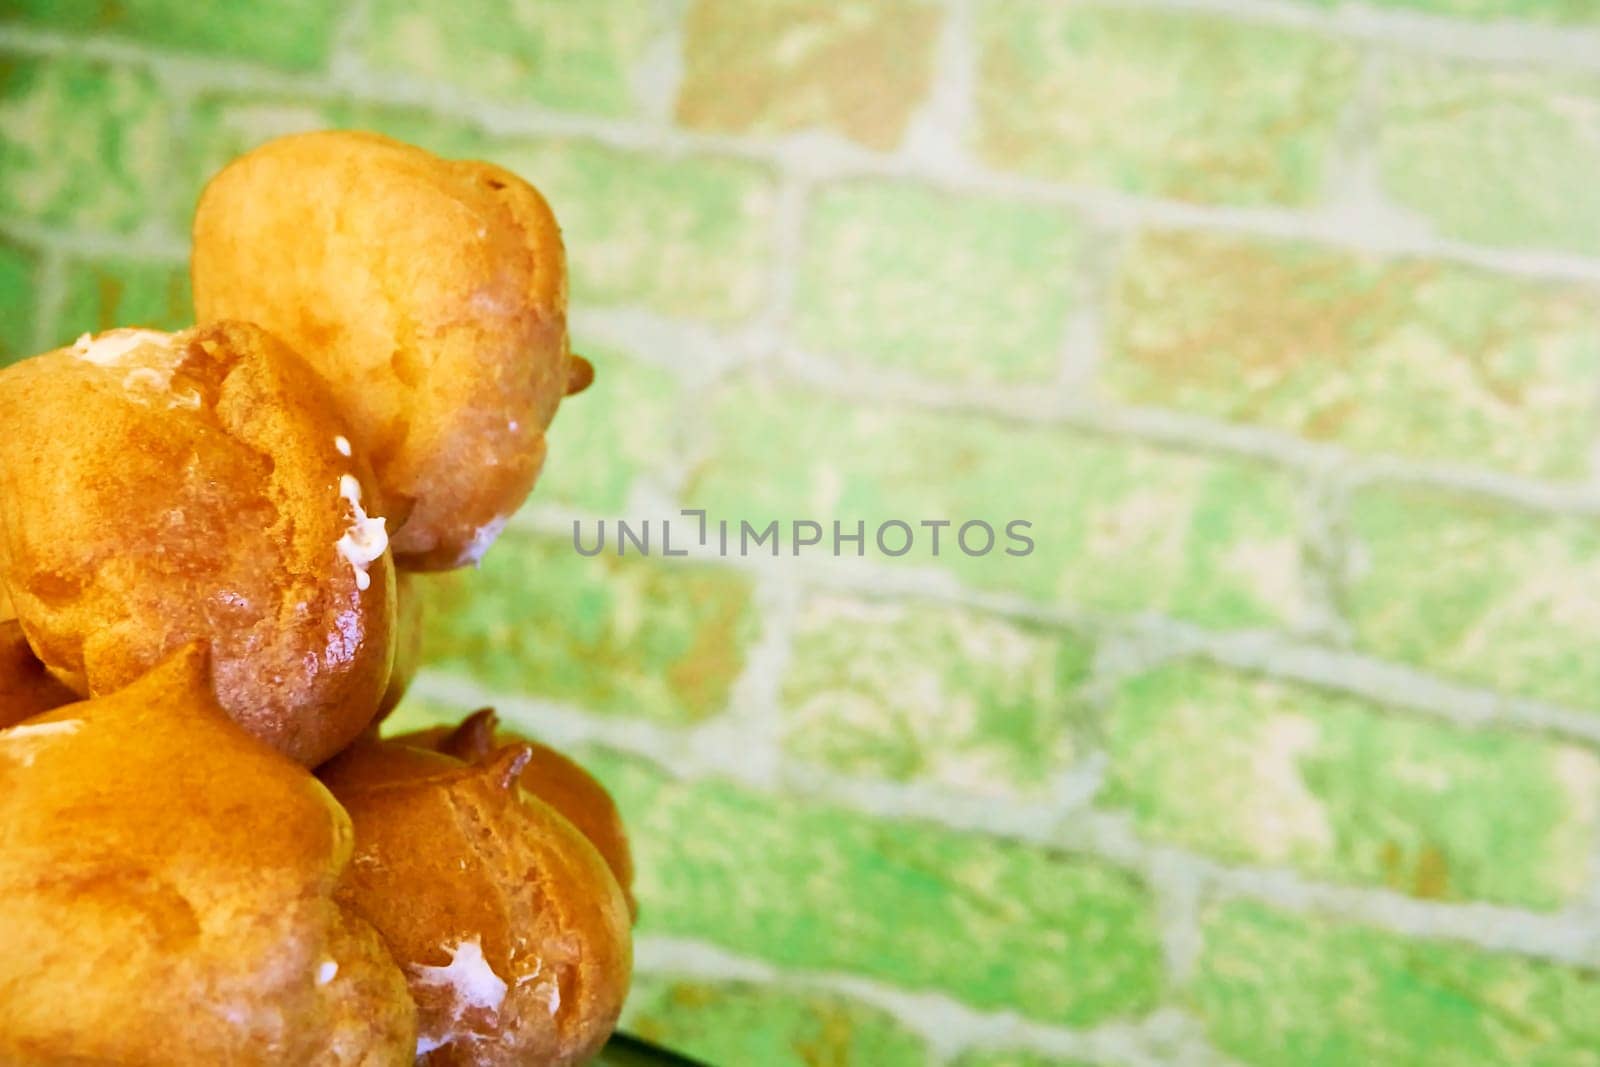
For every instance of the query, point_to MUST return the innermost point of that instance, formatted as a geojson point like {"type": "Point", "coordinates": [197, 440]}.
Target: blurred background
{"type": "Point", "coordinates": [1278, 319]}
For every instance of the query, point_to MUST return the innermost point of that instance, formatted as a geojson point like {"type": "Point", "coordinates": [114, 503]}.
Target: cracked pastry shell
{"type": "Point", "coordinates": [510, 927]}
{"type": "Point", "coordinates": [158, 489]}
{"type": "Point", "coordinates": [432, 295]}
{"type": "Point", "coordinates": [550, 776]}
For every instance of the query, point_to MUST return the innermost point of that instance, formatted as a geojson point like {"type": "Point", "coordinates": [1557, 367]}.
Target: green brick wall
{"type": "Point", "coordinates": [1279, 321]}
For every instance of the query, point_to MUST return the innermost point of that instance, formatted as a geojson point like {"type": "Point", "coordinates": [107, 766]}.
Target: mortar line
{"type": "Point", "coordinates": [1569, 937]}
{"type": "Point", "coordinates": [721, 352]}
{"type": "Point", "coordinates": [948, 1026]}
{"type": "Point", "coordinates": [793, 197]}
{"type": "Point", "coordinates": [698, 353]}
{"type": "Point", "coordinates": [1594, 414]}
{"type": "Point", "coordinates": [1025, 405]}
{"type": "Point", "coordinates": [345, 59]}
{"type": "Point", "coordinates": [659, 77]}
{"type": "Point", "coordinates": [750, 728]}
{"type": "Point", "coordinates": [1322, 505]}
{"type": "Point", "coordinates": [937, 131]}
{"type": "Point", "coordinates": [1087, 335]}
{"type": "Point", "coordinates": [146, 247]}
{"type": "Point", "coordinates": [162, 228]}
{"type": "Point", "coordinates": [824, 159]}
{"type": "Point", "coordinates": [1589, 903]}
{"type": "Point", "coordinates": [50, 300]}
{"type": "Point", "coordinates": [1502, 41]}
{"type": "Point", "coordinates": [1270, 653]}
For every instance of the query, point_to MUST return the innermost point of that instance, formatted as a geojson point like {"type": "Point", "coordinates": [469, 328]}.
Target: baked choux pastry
{"type": "Point", "coordinates": [508, 923]}
{"type": "Point", "coordinates": [158, 489]}
{"type": "Point", "coordinates": [551, 777]}
{"type": "Point", "coordinates": [432, 295]}
{"type": "Point", "coordinates": [167, 895]}
{"type": "Point", "coordinates": [26, 688]}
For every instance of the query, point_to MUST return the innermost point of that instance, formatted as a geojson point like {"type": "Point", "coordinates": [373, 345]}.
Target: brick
{"type": "Point", "coordinates": [624, 425]}
{"type": "Point", "coordinates": [1252, 770]}
{"type": "Point", "coordinates": [941, 285]}
{"type": "Point", "coordinates": [996, 924]}
{"type": "Point", "coordinates": [1116, 527]}
{"type": "Point", "coordinates": [1277, 988]}
{"type": "Point", "coordinates": [82, 145]}
{"type": "Point", "coordinates": [290, 34]}
{"type": "Point", "coordinates": [1188, 106]}
{"type": "Point", "coordinates": [858, 69]}
{"type": "Point", "coordinates": [685, 236]}
{"type": "Point", "coordinates": [101, 294]}
{"type": "Point", "coordinates": [18, 298]}
{"type": "Point", "coordinates": [771, 1025]}
{"type": "Point", "coordinates": [1477, 591]}
{"type": "Point", "coordinates": [569, 57]}
{"type": "Point", "coordinates": [1408, 357]}
{"type": "Point", "coordinates": [1493, 155]}
{"type": "Point", "coordinates": [913, 690]}
{"type": "Point", "coordinates": [629, 636]}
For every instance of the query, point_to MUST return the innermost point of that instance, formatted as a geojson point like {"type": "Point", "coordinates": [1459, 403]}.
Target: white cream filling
{"type": "Point", "coordinates": [148, 378]}
{"type": "Point", "coordinates": [483, 539]}
{"type": "Point", "coordinates": [366, 540]}
{"type": "Point", "coordinates": [552, 988]}
{"type": "Point", "coordinates": [472, 984]}
{"type": "Point", "coordinates": [111, 347]}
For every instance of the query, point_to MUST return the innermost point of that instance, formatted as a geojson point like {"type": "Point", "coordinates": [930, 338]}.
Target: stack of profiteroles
{"type": "Point", "coordinates": [211, 544]}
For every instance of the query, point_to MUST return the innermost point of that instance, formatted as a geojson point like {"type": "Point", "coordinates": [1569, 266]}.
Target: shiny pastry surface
{"type": "Point", "coordinates": [158, 489]}
{"type": "Point", "coordinates": [433, 297]}
{"type": "Point", "coordinates": [167, 895]}
{"type": "Point", "coordinates": [212, 548]}
{"type": "Point", "coordinates": [508, 923]}
{"type": "Point", "coordinates": [550, 776]}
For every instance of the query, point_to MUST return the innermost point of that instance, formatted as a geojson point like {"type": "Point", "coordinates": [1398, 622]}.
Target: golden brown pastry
{"type": "Point", "coordinates": [26, 688]}
{"type": "Point", "coordinates": [551, 777]}
{"type": "Point", "coordinates": [166, 895]}
{"type": "Point", "coordinates": [509, 924]}
{"type": "Point", "coordinates": [157, 489]}
{"type": "Point", "coordinates": [431, 293]}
